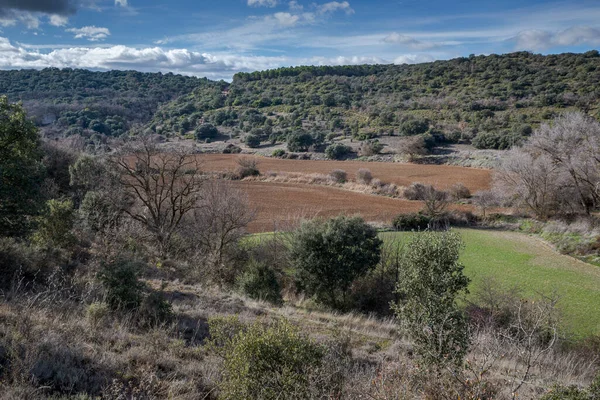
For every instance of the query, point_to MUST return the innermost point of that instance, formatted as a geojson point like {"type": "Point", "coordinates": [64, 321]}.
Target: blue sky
{"type": "Point", "coordinates": [218, 38]}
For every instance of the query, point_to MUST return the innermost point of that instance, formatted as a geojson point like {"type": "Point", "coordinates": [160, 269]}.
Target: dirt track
{"type": "Point", "coordinates": [441, 176]}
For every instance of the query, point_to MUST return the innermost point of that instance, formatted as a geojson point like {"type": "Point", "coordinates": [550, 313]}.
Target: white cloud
{"type": "Point", "coordinates": [413, 59]}
{"type": "Point", "coordinates": [262, 3]}
{"type": "Point", "coordinates": [537, 39]}
{"type": "Point", "coordinates": [153, 59]}
{"type": "Point", "coordinates": [284, 19]}
{"type": "Point", "coordinates": [91, 33]}
{"type": "Point", "coordinates": [335, 6]}
{"type": "Point", "coordinates": [409, 41]}
{"type": "Point", "coordinates": [12, 17]}
{"type": "Point", "coordinates": [58, 20]}
{"type": "Point", "coordinates": [294, 6]}
{"type": "Point", "coordinates": [122, 3]}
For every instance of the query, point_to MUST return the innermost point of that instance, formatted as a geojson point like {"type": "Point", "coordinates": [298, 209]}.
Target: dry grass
{"type": "Point", "coordinates": [57, 349]}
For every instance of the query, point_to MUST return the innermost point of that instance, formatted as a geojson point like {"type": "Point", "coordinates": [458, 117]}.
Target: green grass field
{"type": "Point", "coordinates": [515, 259]}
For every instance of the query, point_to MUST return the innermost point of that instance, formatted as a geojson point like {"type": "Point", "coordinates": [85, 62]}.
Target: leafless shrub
{"type": "Point", "coordinates": [247, 166]}
{"type": "Point", "coordinates": [416, 191]}
{"type": "Point", "coordinates": [364, 176]}
{"type": "Point", "coordinates": [217, 224]}
{"type": "Point", "coordinates": [459, 191]}
{"type": "Point", "coordinates": [338, 176]}
{"type": "Point", "coordinates": [413, 147]}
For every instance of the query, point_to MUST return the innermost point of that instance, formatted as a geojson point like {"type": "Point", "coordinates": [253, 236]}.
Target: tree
{"type": "Point", "coordinates": [21, 170]}
{"type": "Point", "coordinates": [55, 224]}
{"type": "Point", "coordinates": [412, 147]}
{"type": "Point", "coordinates": [337, 151]}
{"type": "Point", "coordinates": [530, 181]}
{"type": "Point", "coordinates": [162, 185]}
{"type": "Point", "coordinates": [431, 279]}
{"type": "Point", "coordinates": [330, 254]}
{"type": "Point", "coordinates": [572, 143]}
{"type": "Point", "coordinates": [206, 131]}
{"type": "Point", "coordinates": [217, 224]}
{"type": "Point", "coordinates": [299, 141]}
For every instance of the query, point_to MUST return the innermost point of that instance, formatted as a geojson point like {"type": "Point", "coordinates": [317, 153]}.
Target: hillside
{"type": "Point", "coordinates": [76, 101]}
{"type": "Point", "coordinates": [493, 101]}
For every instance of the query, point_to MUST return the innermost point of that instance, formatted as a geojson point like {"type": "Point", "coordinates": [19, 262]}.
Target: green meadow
{"type": "Point", "coordinates": [516, 259]}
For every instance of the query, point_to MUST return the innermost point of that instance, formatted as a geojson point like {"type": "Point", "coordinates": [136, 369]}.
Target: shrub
{"type": "Point", "coordinates": [497, 140]}
{"type": "Point", "coordinates": [124, 291]}
{"type": "Point", "coordinates": [338, 176]}
{"type": "Point", "coordinates": [299, 141]}
{"type": "Point", "coordinates": [414, 127]}
{"type": "Point", "coordinates": [260, 282]}
{"type": "Point", "coordinates": [411, 222]}
{"type": "Point", "coordinates": [415, 191]}
{"type": "Point", "coordinates": [278, 153]}
{"type": "Point", "coordinates": [99, 213]}
{"type": "Point", "coordinates": [232, 149]}
{"type": "Point", "coordinates": [247, 167]}
{"type": "Point", "coordinates": [264, 362]}
{"type": "Point", "coordinates": [371, 148]}
{"type": "Point", "coordinates": [364, 176]}
{"type": "Point", "coordinates": [55, 225]}
{"type": "Point", "coordinates": [330, 254]}
{"type": "Point", "coordinates": [337, 151]}
{"type": "Point", "coordinates": [155, 309]}
{"type": "Point", "coordinates": [96, 312]}
{"type": "Point", "coordinates": [206, 131]}
{"type": "Point", "coordinates": [431, 280]}
{"type": "Point", "coordinates": [252, 141]}
{"type": "Point", "coordinates": [458, 191]}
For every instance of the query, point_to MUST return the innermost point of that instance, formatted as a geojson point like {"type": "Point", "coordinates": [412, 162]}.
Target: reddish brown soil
{"type": "Point", "coordinates": [440, 176]}
{"type": "Point", "coordinates": [281, 205]}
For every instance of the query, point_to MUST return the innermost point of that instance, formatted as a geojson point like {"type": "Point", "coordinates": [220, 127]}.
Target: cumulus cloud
{"type": "Point", "coordinates": [404, 40]}
{"type": "Point", "coordinates": [413, 59]}
{"type": "Point", "coordinates": [58, 20]}
{"type": "Point", "coordinates": [91, 33]}
{"type": "Point", "coordinates": [536, 39]}
{"type": "Point", "coordinates": [262, 3]}
{"type": "Point", "coordinates": [283, 19]}
{"type": "Point", "coordinates": [154, 59]}
{"type": "Point", "coordinates": [335, 6]}
{"type": "Point", "coordinates": [122, 3]}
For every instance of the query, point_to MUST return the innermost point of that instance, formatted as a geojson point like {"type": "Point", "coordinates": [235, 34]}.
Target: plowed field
{"type": "Point", "coordinates": [441, 176]}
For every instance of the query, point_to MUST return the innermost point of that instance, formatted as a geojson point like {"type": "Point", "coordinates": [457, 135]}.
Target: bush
{"type": "Point", "coordinates": [330, 254]}
{"type": "Point", "coordinates": [415, 191]}
{"type": "Point", "coordinates": [497, 140]}
{"type": "Point", "coordinates": [124, 291]}
{"type": "Point", "coordinates": [252, 141]}
{"type": "Point", "coordinates": [431, 280]}
{"type": "Point", "coordinates": [338, 176]}
{"type": "Point", "coordinates": [206, 131]}
{"type": "Point", "coordinates": [299, 141]}
{"type": "Point", "coordinates": [414, 127]}
{"type": "Point", "coordinates": [458, 191]}
{"type": "Point", "coordinates": [55, 225]}
{"type": "Point", "coordinates": [337, 151]}
{"type": "Point", "coordinates": [264, 362]}
{"type": "Point", "coordinates": [155, 309]}
{"type": "Point", "coordinates": [371, 148]}
{"type": "Point", "coordinates": [278, 153]}
{"type": "Point", "coordinates": [411, 222]}
{"type": "Point", "coordinates": [232, 149]}
{"type": "Point", "coordinates": [247, 167]}
{"type": "Point", "coordinates": [260, 282]}
{"type": "Point", "coordinates": [364, 176]}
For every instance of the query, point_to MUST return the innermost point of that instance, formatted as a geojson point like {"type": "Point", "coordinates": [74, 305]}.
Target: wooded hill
{"type": "Point", "coordinates": [492, 101]}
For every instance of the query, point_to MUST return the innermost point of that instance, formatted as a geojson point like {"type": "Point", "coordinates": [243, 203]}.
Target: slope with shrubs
{"type": "Point", "coordinates": [494, 101]}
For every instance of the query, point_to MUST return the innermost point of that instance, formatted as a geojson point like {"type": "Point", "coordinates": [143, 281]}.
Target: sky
{"type": "Point", "coordinates": [218, 38]}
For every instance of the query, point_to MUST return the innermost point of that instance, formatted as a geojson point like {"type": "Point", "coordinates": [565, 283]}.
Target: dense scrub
{"type": "Point", "coordinates": [493, 100]}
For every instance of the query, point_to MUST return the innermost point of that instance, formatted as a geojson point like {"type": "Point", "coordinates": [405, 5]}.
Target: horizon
{"type": "Point", "coordinates": [218, 40]}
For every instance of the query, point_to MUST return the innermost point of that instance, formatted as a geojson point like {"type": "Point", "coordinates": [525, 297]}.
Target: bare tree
{"type": "Point", "coordinates": [218, 222]}
{"type": "Point", "coordinates": [531, 181]}
{"type": "Point", "coordinates": [163, 186]}
{"type": "Point", "coordinates": [412, 147]}
{"type": "Point", "coordinates": [572, 142]}
{"type": "Point", "coordinates": [435, 201]}
{"type": "Point", "coordinates": [558, 169]}
{"type": "Point", "coordinates": [486, 199]}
